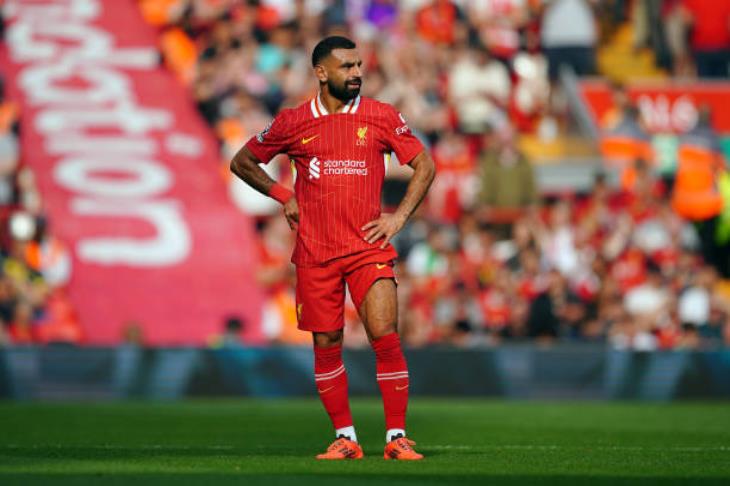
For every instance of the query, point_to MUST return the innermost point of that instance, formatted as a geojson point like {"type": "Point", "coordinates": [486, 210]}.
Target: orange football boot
{"type": "Point", "coordinates": [342, 448]}
{"type": "Point", "coordinates": [400, 449]}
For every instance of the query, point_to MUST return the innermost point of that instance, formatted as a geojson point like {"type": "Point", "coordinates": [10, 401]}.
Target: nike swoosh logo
{"type": "Point", "coordinates": [326, 389]}
{"type": "Point", "coordinates": [305, 141]}
{"type": "Point", "coordinates": [380, 266]}
{"type": "Point", "coordinates": [400, 388]}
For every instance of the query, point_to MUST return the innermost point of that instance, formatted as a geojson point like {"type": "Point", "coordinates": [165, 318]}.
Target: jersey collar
{"type": "Point", "coordinates": [318, 108]}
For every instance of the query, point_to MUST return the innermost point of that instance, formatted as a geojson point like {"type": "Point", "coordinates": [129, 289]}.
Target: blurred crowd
{"type": "Point", "coordinates": [686, 36]}
{"type": "Point", "coordinates": [35, 266]}
{"type": "Point", "coordinates": [608, 266]}
{"type": "Point", "coordinates": [464, 64]}
{"type": "Point", "coordinates": [488, 258]}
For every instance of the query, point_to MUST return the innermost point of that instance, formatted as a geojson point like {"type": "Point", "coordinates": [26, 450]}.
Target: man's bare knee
{"type": "Point", "coordinates": [379, 329]}
{"type": "Point", "coordinates": [327, 339]}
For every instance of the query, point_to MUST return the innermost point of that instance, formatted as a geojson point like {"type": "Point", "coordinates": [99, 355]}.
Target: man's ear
{"type": "Point", "coordinates": [321, 73]}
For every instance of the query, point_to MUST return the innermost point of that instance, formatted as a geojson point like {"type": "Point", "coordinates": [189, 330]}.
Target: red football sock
{"type": "Point", "coordinates": [331, 381]}
{"type": "Point", "coordinates": [392, 374]}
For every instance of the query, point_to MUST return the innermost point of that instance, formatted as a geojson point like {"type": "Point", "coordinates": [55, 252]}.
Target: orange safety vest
{"type": "Point", "coordinates": [8, 116]}
{"type": "Point", "coordinates": [233, 134]}
{"type": "Point", "coordinates": [621, 152]}
{"type": "Point", "coordinates": [231, 130]}
{"type": "Point", "coordinates": [695, 195]}
{"type": "Point", "coordinates": [180, 53]}
{"type": "Point", "coordinates": [158, 12]}
{"type": "Point", "coordinates": [39, 256]}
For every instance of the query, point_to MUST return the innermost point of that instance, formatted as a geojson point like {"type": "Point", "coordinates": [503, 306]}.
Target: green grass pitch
{"type": "Point", "coordinates": [273, 442]}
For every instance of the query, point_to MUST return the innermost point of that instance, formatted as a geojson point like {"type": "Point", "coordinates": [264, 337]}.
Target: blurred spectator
{"type": "Point", "coordinates": [9, 127]}
{"type": "Point", "coordinates": [650, 30]}
{"type": "Point", "coordinates": [532, 85]}
{"type": "Point", "coordinates": [569, 36]}
{"type": "Point", "coordinates": [696, 194]}
{"type": "Point", "coordinates": [495, 302]}
{"type": "Point", "coordinates": [133, 333]}
{"type": "Point", "coordinates": [22, 325]}
{"type": "Point", "coordinates": [694, 301]}
{"type": "Point", "coordinates": [440, 22]}
{"type": "Point", "coordinates": [507, 179]}
{"type": "Point", "coordinates": [232, 332]}
{"type": "Point", "coordinates": [558, 241]}
{"type": "Point", "coordinates": [708, 24]}
{"type": "Point", "coordinates": [675, 30]}
{"type": "Point", "coordinates": [230, 336]}
{"type": "Point", "coordinates": [9, 113]}
{"type": "Point", "coordinates": [703, 134]}
{"type": "Point", "coordinates": [479, 88]}
{"type": "Point", "coordinates": [59, 322]}
{"type": "Point", "coordinates": [275, 274]}
{"type": "Point", "coordinates": [48, 256]}
{"type": "Point", "coordinates": [542, 320]}
{"type": "Point", "coordinates": [498, 23]}
{"type": "Point", "coordinates": [649, 301]}
{"type": "Point", "coordinates": [428, 258]}
{"type": "Point", "coordinates": [455, 187]}
{"type": "Point", "coordinates": [35, 265]}
{"type": "Point", "coordinates": [625, 143]}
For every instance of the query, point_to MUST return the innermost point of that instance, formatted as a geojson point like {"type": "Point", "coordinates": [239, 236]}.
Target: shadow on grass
{"type": "Point", "coordinates": [81, 453]}
{"type": "Point", "coordinates": [111, 452]}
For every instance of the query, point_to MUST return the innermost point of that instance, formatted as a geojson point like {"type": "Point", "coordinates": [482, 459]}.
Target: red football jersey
{"type": "Point", "coordinates": [340, 162]}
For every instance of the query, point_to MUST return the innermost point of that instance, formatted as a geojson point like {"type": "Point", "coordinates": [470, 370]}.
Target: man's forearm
{"type": "Point", "coordinates": [417, 187]}
{"type": "Point", "coordinates": [246, 167]}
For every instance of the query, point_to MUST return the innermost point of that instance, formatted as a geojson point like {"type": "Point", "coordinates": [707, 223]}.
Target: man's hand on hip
{"type": "Point", "coordinates": [386, 226]}
{"type": "Point", "coordinates": [291, 211]}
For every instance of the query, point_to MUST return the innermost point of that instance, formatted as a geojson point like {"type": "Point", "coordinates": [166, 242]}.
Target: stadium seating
{"type": "Point", "coordinates": [602, 226]}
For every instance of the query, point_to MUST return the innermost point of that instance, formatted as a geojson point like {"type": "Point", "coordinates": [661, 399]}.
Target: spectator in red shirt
{"type": "Point", "coordinates": [439, 22]}
{"type": "Point", "coordinates": [709, 22]}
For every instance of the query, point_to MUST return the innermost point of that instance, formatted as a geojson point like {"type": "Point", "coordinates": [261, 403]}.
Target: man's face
{"type": "Point", "coordinates": [342, 72]}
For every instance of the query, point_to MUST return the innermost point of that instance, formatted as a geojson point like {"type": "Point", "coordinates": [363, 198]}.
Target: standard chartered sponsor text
{"type": "Point", "coordinates": [345, 167]}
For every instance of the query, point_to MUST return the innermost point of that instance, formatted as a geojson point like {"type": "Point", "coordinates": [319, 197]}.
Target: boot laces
{"type": "Point", "coordinates": [405, 443]}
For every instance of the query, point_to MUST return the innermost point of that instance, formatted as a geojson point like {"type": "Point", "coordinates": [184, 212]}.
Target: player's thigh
{"type": "Point", "coordinates": [373, 292]}
{"type": "Point", "coordinates": [320, 294]}
{"type": "Point", "coordinates": [379, 311]}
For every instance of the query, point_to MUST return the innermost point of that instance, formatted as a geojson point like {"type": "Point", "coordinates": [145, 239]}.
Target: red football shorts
{"type": "Point", "coordinates": [321, 289]}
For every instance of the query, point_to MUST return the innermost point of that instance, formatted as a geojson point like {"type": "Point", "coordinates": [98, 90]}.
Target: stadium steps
{"type": "Point", "coordinates": [620, 61]}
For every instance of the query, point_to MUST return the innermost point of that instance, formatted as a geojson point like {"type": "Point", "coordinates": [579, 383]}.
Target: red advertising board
{"type": "Point", "coordinates": [128, 173]}
{"type": "Point", "coordinates": [666, 107]}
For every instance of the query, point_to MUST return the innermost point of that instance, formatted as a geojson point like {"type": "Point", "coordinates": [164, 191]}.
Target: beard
{"type": "Point", "coordinates": [344, 92]}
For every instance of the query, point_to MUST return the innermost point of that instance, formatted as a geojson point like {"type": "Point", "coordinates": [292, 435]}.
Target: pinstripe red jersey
{"type": "Point", "coordinates": [340, 162]}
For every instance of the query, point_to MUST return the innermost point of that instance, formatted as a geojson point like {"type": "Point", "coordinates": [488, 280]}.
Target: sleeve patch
{"type": "Point", "coordinates": [261, 135]}
{"type": "Point", "coordinates": [400, 130]}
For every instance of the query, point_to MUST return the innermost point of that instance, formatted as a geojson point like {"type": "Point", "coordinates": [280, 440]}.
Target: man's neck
{"type": "Point", "coordinates": [330, 103]}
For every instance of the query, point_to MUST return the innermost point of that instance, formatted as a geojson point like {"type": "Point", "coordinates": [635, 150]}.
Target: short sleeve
{"type": "Point", "coordinates": [399, 137]}
{"type": "Point", "coordinates": [273, 140]}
